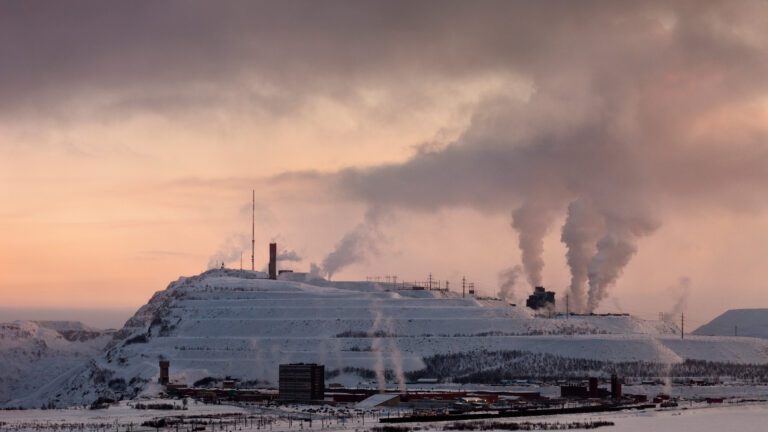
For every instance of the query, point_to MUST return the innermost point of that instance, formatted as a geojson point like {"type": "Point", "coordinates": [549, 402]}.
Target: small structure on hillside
{"type": "Point", "coordinates": [541, 299]}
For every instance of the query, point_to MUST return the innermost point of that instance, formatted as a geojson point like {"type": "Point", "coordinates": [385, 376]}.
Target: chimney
{"type": "Point", "coordinates": [273, 261]}
{"type": "Point", "coordinates": [164, 365]}
{"type": "Point", "coordinates": [615, 387]}
{"type": "Point", "coordinates": [593, 390]}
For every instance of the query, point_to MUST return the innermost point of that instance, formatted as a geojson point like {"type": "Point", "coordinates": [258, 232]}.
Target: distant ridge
{"type": "Point", "coordinates": [737, 322]}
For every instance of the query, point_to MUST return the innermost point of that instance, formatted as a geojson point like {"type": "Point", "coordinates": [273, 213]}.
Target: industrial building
{"type": "Point", "coordinates": [301, 382]}
{"type": "Point", "coordinates": [541, 299]}
{"type": "Point", "coordinates": [592, 390]}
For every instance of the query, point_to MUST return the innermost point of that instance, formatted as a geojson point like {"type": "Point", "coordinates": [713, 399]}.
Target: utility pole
{"type": "Point", "coordinates": [682, 325]}
{"type": "Point", "coordinates": [430, 281]}
{"type": "Point", "coordinates": [253, 230]}
{"type": "Point", "coordinates": [463, 286]}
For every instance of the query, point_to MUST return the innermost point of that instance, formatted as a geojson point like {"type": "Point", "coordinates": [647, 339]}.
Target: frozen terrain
{"type": "Point", "coordinates": [33, 353]}
{"type": "Point", "coordinates": [235, 323]}
{"type": "Point", "coordinates": [743, 417]}
{"type": "Point", "coordinates": [741, 322]}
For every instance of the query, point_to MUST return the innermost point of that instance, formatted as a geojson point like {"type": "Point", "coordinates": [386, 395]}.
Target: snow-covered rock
{"type": "Point", "coordinates": [32, 353]}
{"type": "Point", "coordinates": [237, 323]}
{"type": "Point", "coordinates": [737, 322]}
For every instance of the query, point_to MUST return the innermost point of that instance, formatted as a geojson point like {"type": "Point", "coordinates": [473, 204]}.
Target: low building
{"type": "Point", "coordinates": [301, 382]}
{"type": "Point", "coordinates": [379, 400]}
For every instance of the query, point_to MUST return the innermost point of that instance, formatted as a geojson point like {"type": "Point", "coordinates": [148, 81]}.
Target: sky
{"type": "Point", "coordinates": [612, 151]}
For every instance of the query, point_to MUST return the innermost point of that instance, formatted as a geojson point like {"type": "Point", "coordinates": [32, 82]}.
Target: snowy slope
{"type": "Point", "coordinates": [745, 322]}
{"type": "Point", "coordinates": [228, 322]}
{"type": "Point", "coordinates": [32, 353]}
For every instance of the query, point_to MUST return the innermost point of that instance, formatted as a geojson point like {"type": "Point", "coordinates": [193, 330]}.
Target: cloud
{"type": "Point", "coordinates": [630, 110]}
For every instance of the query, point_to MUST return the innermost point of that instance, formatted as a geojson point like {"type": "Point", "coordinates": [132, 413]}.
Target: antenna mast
{"type": "Point", "coordinates": [682, 325]}
{"type": "Point", "coordinates": [253, 230]}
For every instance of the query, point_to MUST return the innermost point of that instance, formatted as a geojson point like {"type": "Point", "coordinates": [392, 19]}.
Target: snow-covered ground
{"type": "Point", "coordinates": [236, 323]}
{"type": "Point", "coordinates": [743, 417]}
{"type": "Point", "coordinates": [33, 353]}
{"type": "Point", "coordinates": [741, 322]}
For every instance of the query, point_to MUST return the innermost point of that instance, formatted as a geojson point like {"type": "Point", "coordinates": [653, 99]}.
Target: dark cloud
{"type": "Point", "coordinates": [178, 54]}
{"type": "Point", "coordinates": [634, 107]}
{"type": "Point", "coordinates": [610, 136]}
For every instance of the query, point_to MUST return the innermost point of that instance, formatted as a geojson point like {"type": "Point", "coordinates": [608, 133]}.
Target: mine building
{"type": "Point", "coordinates": [301, 382]}
{"type": "Point", "coordinates": [541, 299]}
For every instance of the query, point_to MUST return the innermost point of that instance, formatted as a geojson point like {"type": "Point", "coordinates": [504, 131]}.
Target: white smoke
{"type": "Point", "coordinates": [230, 250]}
{"type": "Point", "coordinates": [315, 271]}
{"type": "Point", "coordinates": [507, 281]}
{"type": "Point", "coordinates": [580, 233]}
{"type": "Point", "coordinates": [358, 244]}
{"type": "Point", "coordinates": [532, 222]}
{"type": "Point", "coordinates": [396, 357]}
{"type": "Point", "coordinates": [377, 347]}
{"type": "Point", "coordinates": [614, 251]}
{"type": "Point", "coordinates": [682, 291]}
{"type": "Point", "coordinates": [289, 255]}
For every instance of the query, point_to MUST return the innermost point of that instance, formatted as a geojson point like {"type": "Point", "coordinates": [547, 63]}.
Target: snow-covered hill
{"type": "Point", "coordinates": [229, 322]}
{"type": "Point", "coordinates": [741, 322]}
{"type": "Point", "coordinates": [32, 353]}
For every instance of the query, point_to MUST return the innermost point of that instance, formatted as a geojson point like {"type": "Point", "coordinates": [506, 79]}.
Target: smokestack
{"type": "Point", "coordinates": [164, 376]}
{"type": "Point", "coordinates": [593, 390]}
{"type": "Point", "coordinates": [273, 261]}
{"type": "Point", "coordinates": [615, 387]}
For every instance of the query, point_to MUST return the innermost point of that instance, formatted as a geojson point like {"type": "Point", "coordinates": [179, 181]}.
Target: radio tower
{"type": "Point", "coordinates": [253, 230]}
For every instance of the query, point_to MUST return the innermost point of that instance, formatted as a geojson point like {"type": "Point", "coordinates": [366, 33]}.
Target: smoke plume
{"type": "Point", "coordinates": [358, 244]}
{"type": "Point", "coordinates": [580, 233]}
{"type": "Point", "coordinates": [229, 251]}
{"type": "Point", "coordinates": [614, 251]}
{"type": "Point", "coordinates": [507, 281]}
{"type": "Point", "coordinates": [682, 291]}
{"type": "Point", "coordinates": [532, 222]}
{"type": "Point", "coordinates": [617, 111]}
{"type": "Point", "coordinates": [289, 255]}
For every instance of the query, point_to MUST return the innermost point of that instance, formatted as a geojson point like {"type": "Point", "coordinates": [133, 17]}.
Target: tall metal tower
{"type": "Point", "coordinates": [253, 231]}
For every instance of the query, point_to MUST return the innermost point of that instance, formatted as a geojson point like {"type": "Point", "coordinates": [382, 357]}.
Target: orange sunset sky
{"type": "Point", "coordinates": [132, 134]}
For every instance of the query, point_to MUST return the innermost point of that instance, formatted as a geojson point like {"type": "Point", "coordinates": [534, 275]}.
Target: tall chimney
{"type": "Point", "coordinates": [593, 389]}
{"type": "Point", "coordinates": [164, 376]}
{"type": "Point", "coordinates": [615, 387]}
{"type": "Point", "coordinates": [273, 260]}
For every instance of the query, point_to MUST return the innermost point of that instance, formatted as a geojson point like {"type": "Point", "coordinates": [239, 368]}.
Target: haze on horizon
{"type": "Point", "coordinates": [615, 150]}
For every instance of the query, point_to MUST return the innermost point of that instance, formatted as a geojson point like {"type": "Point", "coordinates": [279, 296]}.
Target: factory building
{"type": "Point", "coordinates": [301, 382]}
{"type": "Point", "coordinates": [592, 390]}
{"type": "Point", "coordinates": [541, 299]}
